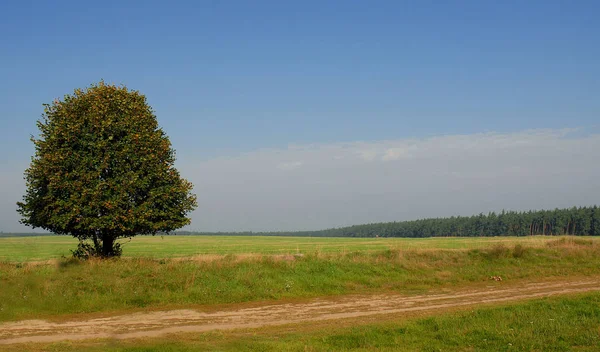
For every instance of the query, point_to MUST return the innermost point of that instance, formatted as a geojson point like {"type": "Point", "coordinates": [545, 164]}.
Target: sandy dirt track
{"type": "Point", "coordinates": [156, 323]}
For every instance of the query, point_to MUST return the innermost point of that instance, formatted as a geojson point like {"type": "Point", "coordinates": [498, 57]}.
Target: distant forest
{"type": "Point", "coordinates": [582, 221]}
{"type": "Point", "coordinates": [579, 221]}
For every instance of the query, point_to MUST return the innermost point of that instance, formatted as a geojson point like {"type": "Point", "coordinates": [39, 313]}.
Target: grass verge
{"type": "Point", "coordinates": [72, 287]}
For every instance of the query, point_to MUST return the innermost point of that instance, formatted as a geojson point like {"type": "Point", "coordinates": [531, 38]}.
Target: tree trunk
{"type": "Point", "coordinates": [96, 243]}
{"type": "Point", "coordinates": [107, 246]}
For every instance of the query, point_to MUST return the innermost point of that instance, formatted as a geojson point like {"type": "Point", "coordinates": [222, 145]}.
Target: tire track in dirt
{"type": "Point", "coordinates": [152, 324]}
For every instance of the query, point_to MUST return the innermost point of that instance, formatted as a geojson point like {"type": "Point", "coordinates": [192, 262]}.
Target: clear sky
{"type": "Point", "coordinates": [310, 114]}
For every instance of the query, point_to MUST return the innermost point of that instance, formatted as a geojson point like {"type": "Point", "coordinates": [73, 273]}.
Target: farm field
{"type": "Point", "coordinates": [40, 248]}
{"type": "Point", "coordinates": [181, 275]}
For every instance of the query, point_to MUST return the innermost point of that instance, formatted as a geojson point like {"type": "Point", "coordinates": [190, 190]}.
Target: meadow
{"type": "Point", "coordinates": [41, 248]}
{"type": "Point", "coordinates": [173, 272]}
{"type": "Point", "coordinates": [68, 286]}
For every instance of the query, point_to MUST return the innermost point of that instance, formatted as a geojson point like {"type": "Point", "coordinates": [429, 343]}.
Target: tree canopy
{"type": "Point", "coordinates": [103, 169]}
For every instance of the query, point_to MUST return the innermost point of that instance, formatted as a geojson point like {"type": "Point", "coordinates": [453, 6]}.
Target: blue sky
{"type": "Point", "coordinates": [229, 79]}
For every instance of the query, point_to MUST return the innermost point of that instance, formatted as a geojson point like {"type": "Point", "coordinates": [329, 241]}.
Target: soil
{"type": "Point", "coordinates": [156, 323]}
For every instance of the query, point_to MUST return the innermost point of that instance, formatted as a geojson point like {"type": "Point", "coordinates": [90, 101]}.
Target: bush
{"type": "Point", "coordinates": [86, 250]}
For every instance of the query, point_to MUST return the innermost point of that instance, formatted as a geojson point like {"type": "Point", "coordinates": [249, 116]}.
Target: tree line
{"type": "Point", "coordinates": [579, 221]}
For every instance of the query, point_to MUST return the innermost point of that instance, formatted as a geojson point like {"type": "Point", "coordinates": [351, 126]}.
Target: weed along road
{"type": "Point", "coordinates": [247, 316]}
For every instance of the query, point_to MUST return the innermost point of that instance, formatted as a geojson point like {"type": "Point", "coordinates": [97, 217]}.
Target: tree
{"type": "Point", "coordinates": [103, 169]}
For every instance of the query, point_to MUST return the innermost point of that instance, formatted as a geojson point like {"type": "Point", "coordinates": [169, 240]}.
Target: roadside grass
{"type": "Point", "coordinates": [550, 324]}
{"type": "Point", "coordinates": [70, 287]}
{"type": "Point", "coordinates": [42, 248]}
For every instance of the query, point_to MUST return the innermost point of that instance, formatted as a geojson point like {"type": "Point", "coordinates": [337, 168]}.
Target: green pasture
{"type": "Point", "coordinates": [41, 248]}
{"type": "Point", "coordinates": [69, 286]}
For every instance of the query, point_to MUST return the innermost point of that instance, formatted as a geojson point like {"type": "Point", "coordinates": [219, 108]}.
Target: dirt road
{"type": "Point", "coordinates": [150, 324]}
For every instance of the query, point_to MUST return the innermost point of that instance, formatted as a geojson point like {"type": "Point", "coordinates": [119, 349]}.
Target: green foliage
{"type": "Point", "coordinates": [85, 251]}
{"type": "Point", "coordinates": [103, 170]}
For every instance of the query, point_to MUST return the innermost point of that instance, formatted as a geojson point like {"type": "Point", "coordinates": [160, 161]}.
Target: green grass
{"type": "Point", "coordinates": [23, 249]}
{"type": "Point", "coordinates": [554, 324]}
{"type": "Point", "coordinates": [69, 286]}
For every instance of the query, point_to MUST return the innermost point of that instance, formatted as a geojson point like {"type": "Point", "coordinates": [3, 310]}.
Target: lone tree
{"type": "Point", "coordinates": [103, 169]}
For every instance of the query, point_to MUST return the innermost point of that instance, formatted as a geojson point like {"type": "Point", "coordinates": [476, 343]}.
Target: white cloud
{"type": "Point", "coordinates": [396, 153]}
{"type": "Point", "coordinates": [351, 183]}
{"type": "Point", "coordinates": [368, 154]}
{"type": "Point", "coordinates": [360, 182]}
{"type": "Point", "coordinates": [289, 165]}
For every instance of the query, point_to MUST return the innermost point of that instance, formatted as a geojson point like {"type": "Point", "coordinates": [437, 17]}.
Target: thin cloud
{"type": "Point", "coordinates": [350, 183]}
{"type": "Point", "coordinates": [289, 165]}
{"type": "Point", "coordinates": [396, 153]}
{"type": "Point", "coordinates": [360, 182]}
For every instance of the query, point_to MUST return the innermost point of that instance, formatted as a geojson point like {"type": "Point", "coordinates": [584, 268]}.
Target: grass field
{"type": "Point", "coordinates": [23, 249]}
{"type": "Point", "coordinates": [70, 286]}
{"type": "Point", "coordinates": [192, 272]}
